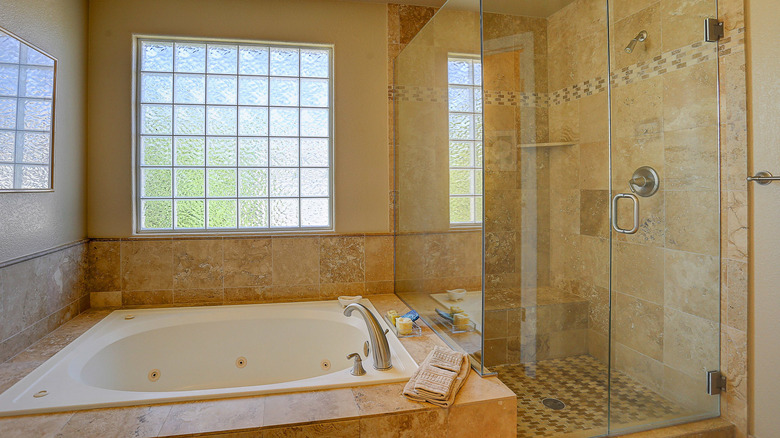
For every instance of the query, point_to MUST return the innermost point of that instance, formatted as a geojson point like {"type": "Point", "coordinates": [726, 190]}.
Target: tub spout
{"type": "Point", "coordinates": [380, 349]}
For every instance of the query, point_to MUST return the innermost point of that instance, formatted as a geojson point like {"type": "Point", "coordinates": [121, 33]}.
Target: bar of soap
{"type": "Point", "coordinates": [461, 321]}
{"type": "Point", "coordinates": [404, 326]}
{"type": "Point", "coordinates": [455, 310]}
{"type": "Point", "coordinates": [392, 315]}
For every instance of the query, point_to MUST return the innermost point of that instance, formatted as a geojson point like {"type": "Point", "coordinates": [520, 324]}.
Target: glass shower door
{"type": "Point", "coordinates": [665, 288]}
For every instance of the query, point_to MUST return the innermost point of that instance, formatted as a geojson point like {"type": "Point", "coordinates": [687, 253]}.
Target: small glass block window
{"type": "Point", "coordinates": [233, 136]}
{"type": "Point", "coordinates": [26, 115]}
{"type": "Point", "coordinates": [465, 134]}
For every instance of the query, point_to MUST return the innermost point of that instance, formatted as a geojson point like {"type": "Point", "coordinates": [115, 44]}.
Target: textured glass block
{"type": "Point", "coordinates": [478, 100]}
{"type": "Point", "coordinates": [190, 183]}
{"type": "Point", "coordinates": [9, 80]}
{"type": "Point", "coordinates": [315, 63]}
{"type": "Point", "coordinates": [221, 151]}
{"type": "Point", "coordinates": [34, 57]}
{"type": "Point", "coordinates": [284, 122]}
{"type": "Point", "coordinates": [156, 119]}
{"type": "Point", "coordinates": [221, 183]}
{"type": "Point", "coordinates": [284, 213]}
{"type": "Point", "coordinates": [284, 92]}
{"type": "Point", "coordinates": [252, 90]}
{"type": "Point", "coordinates": [461, 99]}
{"type": "Point", "coordinates": [283, 152]}
{"type": "Point", "coordinates": [460, 154]}
{"type": "Point", "coordinates": [156, 151]}
{"type": "Point", "coordinates": [223, 59]}
{"type": "Point", "coordinates": [7, 146]}
{"type": "Point", "coordinates": [315, 182]}
{"type": "Point", "coordinates": [314, 92]}
{"type": "Point", "coordinates": [38, 82]}
{"type": "Point", "coordinates": [253, 213]}
{"type": "Point", "coordinates": [315, 212]}
{"type": "Point", "coordinates": [222, 213]}
{"type": "Point", "coordinates": [461, 127]}
{"type": "Point", "coordinates": [477, 182]}
{"type": "Point", "coordinates": [222, 90]}
{"type": "Point", "coordinates": [221, 121]}
{"type": "Point", "coordinates": [461, 182]}
{"type": "Point", "coordinates": [283, 182]}
{"type": "Point", "coordinates": [284, 62]}
{"type": "Point", "coordinates": [36, 147]}
{"type": "Point", "coordinates": [191, 213]}
{"type": "Point", "coordinates": [461, 210]}
{"type": "Point", "coordinates": [189, 120]}
{"type": "Point", "coordinates": [7, 113]}
{"type": "Point", "coordinates": [314, 122]}
{"type": "Point", "coordinates": [190, 89]}
{"type": "Point", "coordinates": [478, 154]}
{"type": "Point", "coordinates": [156, 56]}
{"type": "Point", "coordinates": [478, 127]}
{"type": "Point", "coordinates": [9, 49]}
{"type": "Point", "coordinates": [156, 183]}
{"type": "Point", "coordinates": [35, 177]}
{"type": "Point", "coordinates": [477, 73]}
{"type": "Point", "coordinates": [6, 176]}
{"type": "Point", "coordinates": [253, 152]}
{"type": "Point", "coordinates": [156, 214]}
{"type": "Point", "coordinates": [37, 115]}
{"type": "Point", "coordinates": [314, 152]}
{"type": "Point", "coordinates": [253, 183]}
{"type": "Point", "coordinates": [252, 121]}
{"type": "Point", "coordinates": [459, 72]}
{"type": "Point", "coordinates": [253, 60]}
{"type": "Point", "coordinates": [190, 151]}
{"type": "Point", "coordinates": [190, 58]}
{"type": "Point", "coordinates": [155, 87]}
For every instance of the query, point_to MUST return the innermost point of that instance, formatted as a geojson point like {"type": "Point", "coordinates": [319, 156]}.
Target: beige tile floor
{"type": "Point", "coordinates": [581, 383]}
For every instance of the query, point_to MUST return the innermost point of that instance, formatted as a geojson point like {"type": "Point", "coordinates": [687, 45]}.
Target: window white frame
{"type": "Point", "coordinates": [469, 109]}
{"type": "Point", "coordinates": [139, 166]}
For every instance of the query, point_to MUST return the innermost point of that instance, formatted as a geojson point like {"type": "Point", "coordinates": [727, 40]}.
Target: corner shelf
{"type": "Point", "coordinates": [545, 145]}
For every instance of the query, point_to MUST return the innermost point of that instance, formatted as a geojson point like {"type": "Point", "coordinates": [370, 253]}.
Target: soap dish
{"type": "Point", "coordinates": [416, 330]}
{"type": "Point", "coordinates": [461, 328]}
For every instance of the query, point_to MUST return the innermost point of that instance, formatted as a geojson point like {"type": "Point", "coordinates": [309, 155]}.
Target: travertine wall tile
{"type": "Point", "coordinates": [146, 264]}
{"type": "Point", "coordinates": [296, 260]}
{"type": "Point", "coordinates": [247, 262]}
{"type": "Point", "coordinates": [197, 263]}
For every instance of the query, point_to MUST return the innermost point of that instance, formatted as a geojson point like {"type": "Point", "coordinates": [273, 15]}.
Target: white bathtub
{"type": "Point", "coordinates": [197, 351]}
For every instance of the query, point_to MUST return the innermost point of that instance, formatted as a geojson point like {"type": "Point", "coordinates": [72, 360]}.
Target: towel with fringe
{"type": "Point", "coordinates": [435, 384]}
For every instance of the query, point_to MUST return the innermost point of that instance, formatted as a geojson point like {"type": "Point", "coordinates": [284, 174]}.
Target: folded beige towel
{"type": "Point", "coordinates": [446, 359]}
{"type": "Point", "coordinates": [427, 392]}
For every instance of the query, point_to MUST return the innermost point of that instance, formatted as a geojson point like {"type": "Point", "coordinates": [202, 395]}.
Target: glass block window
{"type": "Point", "coordinates": [465, 133]}
{"type": "Point", "coordinates": [233, 136]}
{"type": "Point", "coordinates": [26, 115]}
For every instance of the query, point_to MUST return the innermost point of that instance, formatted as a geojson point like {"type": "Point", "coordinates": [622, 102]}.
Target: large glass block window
{"type": "Point", "coordinates": [233, 136]}
{"type": "Point", "coordinates": [465, 134]}
{"type": "Point", "coordinates": [26, 115]}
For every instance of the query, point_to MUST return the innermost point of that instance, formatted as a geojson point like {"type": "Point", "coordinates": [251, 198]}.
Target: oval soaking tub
{"type": "Point", "coordinates": [144, 356]}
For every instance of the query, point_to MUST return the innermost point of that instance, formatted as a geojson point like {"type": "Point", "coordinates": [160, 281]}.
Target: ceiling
{"type": "Point", "coordinates": [530, 8]}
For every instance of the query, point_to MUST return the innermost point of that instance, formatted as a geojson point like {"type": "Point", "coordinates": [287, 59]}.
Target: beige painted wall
{"type": "Point", "coordinates": [361, 159]}
{"type": "Point", "coordinates": [764, 126]}
{"type": "Point", "coordinates": [37, 221]}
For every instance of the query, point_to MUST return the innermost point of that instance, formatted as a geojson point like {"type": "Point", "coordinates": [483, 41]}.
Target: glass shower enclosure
{"type": "Point", "coordinates": [559, 161]}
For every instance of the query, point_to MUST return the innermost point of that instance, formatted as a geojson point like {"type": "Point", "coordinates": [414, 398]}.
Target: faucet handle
{"type": "Point", "coordinates": [357, 366]}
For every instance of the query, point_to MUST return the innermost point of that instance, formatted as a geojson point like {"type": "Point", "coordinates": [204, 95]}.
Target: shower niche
{"type": "Point", "coordinates": [518, 130]}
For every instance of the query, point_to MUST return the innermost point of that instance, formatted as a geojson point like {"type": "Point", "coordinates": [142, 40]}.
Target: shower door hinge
{"type": "Point", "coordinates": [716, 382]}
{"type": "Point", "coordinates": [713, 30]}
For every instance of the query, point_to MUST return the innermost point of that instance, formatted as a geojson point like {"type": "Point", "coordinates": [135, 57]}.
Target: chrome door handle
{"type": "Point", "coordinates": [615, 225]}
{"type": "Point", "coordinates": [763, 178]}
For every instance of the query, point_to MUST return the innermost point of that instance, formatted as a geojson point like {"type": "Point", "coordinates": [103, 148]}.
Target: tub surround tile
{"type": "Point", "coordinates": [338, 429]}
{"type": "Point", "coordinates": [308, 407]}
{"type": "Point", "coordinates": [342, 259]}
{"type": "Point", "coordinates": [247, 295]}
{"type": "Point", "coordinates": [296, 260]}
{"type": "Point", "coordinates": [381, 399]}
{"type": "Point", "coordinates": [379, 258]}
{"type": "Point", "coordinates": [422, 424]}
{"type": "Point", "coordinates": [137, 421]}
{"type": "Point", "coordinates": [147, 298]}
{"type": "Point", "coordinates": [104, 273]}
{"type": "Point", "coordinates": [146, 265]}
{"type": "Point", "coordinates": [247, 262]}
{"type": "Point", "coordinates": [210, 416]}
{"type": "Point", "coordinates": [198, 296]}
{"type": "Point", "coordinates": [39, 426]}
{"type": "Point", "coordinates": [105, 299]}
{"type": "Point", "coordinates": [497, 418]}
{"type": "Point", "coordinates": [197, 264]}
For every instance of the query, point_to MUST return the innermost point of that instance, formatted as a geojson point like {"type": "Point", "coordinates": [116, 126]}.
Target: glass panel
{"type": "Point", "coordinates": [190, 151]}
{"type": "Point", "coordinates": [191, 213]}
{"type": "Point", "coordinates": [284, 213]}
{"type": "Point", "coordinates": [190, 183]}
{"type": "Point", "coordinates": [284, 182]}
{"type": "Point", "coordinates": [222, 90]}
{"type": "Point", "coordinates": [284, 62]}
{"type": "Point", "coordinates": [9, 80]}
{"type": "Point", "coordinates": [156, 214]}
{"type": "Point", "coordinates": [253, 213]}
{"type": "Point", "coordinates": [156, 183]}
{"type": "Point", "coordinates": [156, 119]}
{"type": "Point", "coordinates": [284, 152]}
{"type": "Point", "coordinates": [221, 151]}
{"type": "Point", "coordinates": [190, 120]}
{"type": "Point", "coordinates": [284, 92]}
{"type": "Point", "coordinates": [156, 56]}
{"type": "Point", "coordinates": [315, 182]}
{"type": "Point", "coordinates": [221, 121]}
{"type": "Point", "coordinates": [253, 182]}
{"type": "Point", "coordinates": [314, 92]}
{"type": "Point", "coordinates": [252, 91]}
{"type": "Point", "coordinates": [253, 152]}
{"type": "Point", "coordinates": [314, 63]}
{"type": "Point", "coordinates": [253, 60]}
{"type": "Point", "coordinates": [314, 212]}
{"type": "Point", "coordinates": [314, 152]}
{"type": "Point", "coordinates": [156, 151]}
{"type": "Point", "coordinates": [190, 89]}
{"type": "Point", "coordinates": [222, 59]}
{"type": "Point", "coordinates": [38, 82]}
{"type": "Point", "coordinates": [284, 122]}
{"type": "Point", "coordinates": [221, 183]}
{"type": "Point", "coordinates": [190, 57]}
{"type": "Point", "coordinates": [155, 88]}
{"type": "Point", "coordinates": [222, 213]}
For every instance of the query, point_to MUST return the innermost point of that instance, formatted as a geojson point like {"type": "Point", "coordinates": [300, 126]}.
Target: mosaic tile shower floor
{"type": "Point", "coordinates": [581, 383]}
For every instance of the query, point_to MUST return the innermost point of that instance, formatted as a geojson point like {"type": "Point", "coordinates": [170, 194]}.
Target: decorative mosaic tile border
{"type": "Point", "coordinates": [683, 57]}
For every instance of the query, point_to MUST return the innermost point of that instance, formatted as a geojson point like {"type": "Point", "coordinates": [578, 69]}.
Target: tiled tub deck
{"type": "Point", "coordinates": [484, 407]}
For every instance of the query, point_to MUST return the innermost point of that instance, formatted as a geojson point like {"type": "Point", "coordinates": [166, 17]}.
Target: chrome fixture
{"type": "Point", "coordinates": [357, 367]}
{"type": "Point", "coordinates": [380, 349]}
{"type": "Point", "coordinates": [644, 182]}
{"type": "Point", "coordinates": [764, 178]}
{"type": "Point", "coordinates": [640, 38]}
{"type": "Point", "coordinates": [615, 225]}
